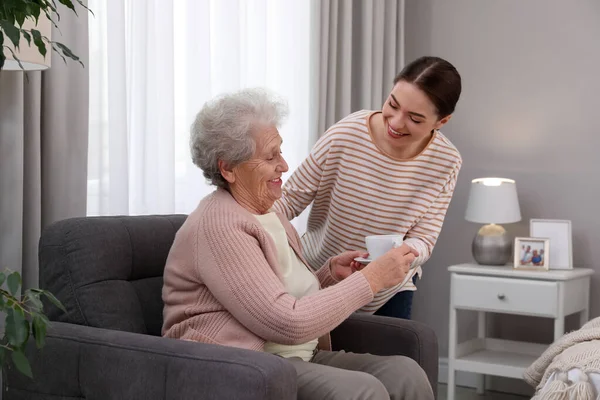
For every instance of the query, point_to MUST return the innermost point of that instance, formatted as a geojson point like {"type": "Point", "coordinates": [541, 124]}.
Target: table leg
{"type": "Point", "coordinates": [584, 315]}
{"type": "Point", "coordinates": [481, 332]}
{"type": "Point", "coordinates": [452, 354]}
{"type": "Point", "coordinates": [559, 321]}
{"type": "Point", "coordinates": [559, 327]}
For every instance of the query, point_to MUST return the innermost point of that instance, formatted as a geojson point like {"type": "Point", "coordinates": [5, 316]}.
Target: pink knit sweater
{"type": "Point", "coordinates": [222, 284]}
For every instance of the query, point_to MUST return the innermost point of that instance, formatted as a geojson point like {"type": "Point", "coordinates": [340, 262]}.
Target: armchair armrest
{"type": "Point", "coordinates": [363, 333]}
{"type": "Point", "coordinates": [82, 362]}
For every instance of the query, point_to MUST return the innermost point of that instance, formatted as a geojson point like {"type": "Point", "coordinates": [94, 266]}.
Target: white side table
{"type": "Point", "coordinates": [552, 294]}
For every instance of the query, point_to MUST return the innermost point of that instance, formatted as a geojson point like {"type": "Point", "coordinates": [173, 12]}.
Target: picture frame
{"type": "Point", "coordinates": [532, 253]}
{"type": "Point", "coordinates": [558, 231]}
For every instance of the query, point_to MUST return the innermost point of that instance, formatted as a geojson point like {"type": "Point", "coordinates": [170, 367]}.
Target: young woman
{"type": "Point", "coordinates": [383, 172]}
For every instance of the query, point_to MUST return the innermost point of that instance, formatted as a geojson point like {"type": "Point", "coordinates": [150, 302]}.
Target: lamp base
{"type": "Point", "coordinates": [492, 246]}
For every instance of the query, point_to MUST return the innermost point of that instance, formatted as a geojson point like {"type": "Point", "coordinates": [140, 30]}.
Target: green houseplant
{"type": "Point", "coordinates": [24, 319]}
{"type": "Point", "coordinates": [14, 13]}
{"type": "Point", "coordinates": [24, 310]}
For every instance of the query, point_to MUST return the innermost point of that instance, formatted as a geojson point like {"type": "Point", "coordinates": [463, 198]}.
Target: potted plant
{"type": "Point", "coordinates": [24, 311]}
{"type": "Point", "coordinates": [14, 13]}
{"type": "Point", "coordinates": [24, 319]}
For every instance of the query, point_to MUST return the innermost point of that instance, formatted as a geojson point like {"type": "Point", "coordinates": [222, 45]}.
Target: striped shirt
{"type": "Point", "coordinates": [357, 190]}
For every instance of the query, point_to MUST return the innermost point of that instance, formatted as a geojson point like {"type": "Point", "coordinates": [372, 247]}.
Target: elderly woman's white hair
{"type": "Point", "coordinates": [224, 127]}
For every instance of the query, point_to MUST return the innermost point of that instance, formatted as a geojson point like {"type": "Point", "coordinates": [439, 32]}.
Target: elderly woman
{"type": "Point", "coordinates": [235, 275]}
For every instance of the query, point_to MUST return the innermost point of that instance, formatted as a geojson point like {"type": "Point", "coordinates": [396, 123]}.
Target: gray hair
{"type": "Point", "coordinates": [224, 126]}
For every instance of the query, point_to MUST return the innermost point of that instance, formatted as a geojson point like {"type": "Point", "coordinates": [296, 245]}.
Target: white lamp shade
{"type": "Point", "coordinates": [493, 201]}
{"type": "Point", "coordinates": [30, 57]}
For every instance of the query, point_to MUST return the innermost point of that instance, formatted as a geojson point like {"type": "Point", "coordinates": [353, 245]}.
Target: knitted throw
{"type": "Point", "coordinates": [579, 349]}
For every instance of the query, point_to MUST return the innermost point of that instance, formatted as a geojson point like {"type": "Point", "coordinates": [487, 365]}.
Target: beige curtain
{"type": "Point", "coordinates": [358, 49]}
{"type": "Point", "coordinates": [43, 149]}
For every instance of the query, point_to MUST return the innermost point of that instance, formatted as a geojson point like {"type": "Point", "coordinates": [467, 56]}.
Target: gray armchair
{"type": "Point", "coordinates": [107, 271]}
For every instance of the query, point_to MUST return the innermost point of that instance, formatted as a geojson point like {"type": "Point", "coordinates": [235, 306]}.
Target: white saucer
{"type": "Point", "coordinates": [363, 260]}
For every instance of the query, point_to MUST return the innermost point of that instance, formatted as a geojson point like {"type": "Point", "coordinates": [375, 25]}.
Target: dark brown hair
{"type": "Point", "coordinates": [437, 78]}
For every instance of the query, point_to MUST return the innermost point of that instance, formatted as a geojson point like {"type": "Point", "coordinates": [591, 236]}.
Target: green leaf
{"type": "Point", "coordinates": [20, 18]}
{"type": "Point", "coordinates": [34, 10]}
{"type": "Point", "coordinates": [34, 299]}
{"type": "Point", "coordinates": [3, 352]}
{"type": "Point", "coordinates": [9, 323]}
{"type": "Point", "coordinates": [52, 5]}
{"type": "Point", "coordinates": [9, 17]}
{"type": "Point", "coordinates": [17, 4]}
{"type": "Point", "coordinates": [21, 363]}
{"type": "Point", "coordinates": [69, 4]}
{"type": "Point", "coordinates": [39, 331]}
{"type": "Point", "coordinates": [54, 300]}
{"type": "Point", "coordinates": [2, 274]}
{"type": "Point", "coordinates": [27, 36]}
{"type": "Point", "coordinates": [25, 328]}
{"type": "Point", "coordinates": [39, 42]}
{"type": "Point", "coordinates": [67, 52]}
{"type": "Point", "coordinates": [43, 318]}
{"type": "Point", "coordinates": [11, 31]}
{"type": "Point", "coordinates": [17, 328]}
{"type": "Point", "coordinates": [49, 16]}
{"type": "Point", "coordinates": [57, 50]}
{"type": "Point", "coordinates": [82, 4]}
{"type": "Point", "coordinates": [13, 282]}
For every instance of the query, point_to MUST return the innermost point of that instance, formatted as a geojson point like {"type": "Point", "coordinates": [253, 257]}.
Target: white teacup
{"type": "Point", "coordinates": [378, 245]}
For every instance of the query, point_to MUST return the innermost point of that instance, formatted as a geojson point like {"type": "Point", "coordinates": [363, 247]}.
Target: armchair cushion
{"type": "Point", "coordinates": [107, 364]}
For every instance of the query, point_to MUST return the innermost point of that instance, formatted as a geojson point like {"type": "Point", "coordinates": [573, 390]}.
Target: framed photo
{"type": "Point", "coordinates": [532, 253]}
{"type": "Point", "coordinates": [559, 233]}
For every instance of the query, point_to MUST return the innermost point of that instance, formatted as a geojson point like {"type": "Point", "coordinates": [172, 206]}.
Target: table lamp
{"type": "Point", "coordinates": [492, 201]}
{"type": "Point", "coordinates": [30, 57]}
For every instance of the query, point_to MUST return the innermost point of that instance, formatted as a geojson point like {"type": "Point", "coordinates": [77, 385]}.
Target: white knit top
{"type": "Point", "coordinates": [297, 279]}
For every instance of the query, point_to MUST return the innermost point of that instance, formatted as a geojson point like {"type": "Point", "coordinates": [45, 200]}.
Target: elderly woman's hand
{"type": "Point", "coordinates": [343, 265]}
{"type": "Point", "coordinates": [390, 269]}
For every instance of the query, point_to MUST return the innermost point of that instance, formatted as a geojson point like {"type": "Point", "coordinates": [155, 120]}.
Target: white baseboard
{"type": "Point", "coordinates": [495, 383]}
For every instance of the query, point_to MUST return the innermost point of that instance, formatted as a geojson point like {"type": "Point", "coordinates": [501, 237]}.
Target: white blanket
{"type": "Point", "coordinates": [576, 375]}
{"type": "Point", "coordinates": [570, 367]}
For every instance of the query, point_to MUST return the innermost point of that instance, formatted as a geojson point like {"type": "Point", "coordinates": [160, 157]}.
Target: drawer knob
{"type": "Point", "coordinates": [501, 296]}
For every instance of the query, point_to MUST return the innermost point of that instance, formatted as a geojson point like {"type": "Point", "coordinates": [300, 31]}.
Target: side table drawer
{"type": "Point", "coordinates": [504, 295]}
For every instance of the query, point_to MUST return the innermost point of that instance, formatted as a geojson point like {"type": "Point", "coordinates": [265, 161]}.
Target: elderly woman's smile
{"type": "Point", "coordinates": [256, 183]}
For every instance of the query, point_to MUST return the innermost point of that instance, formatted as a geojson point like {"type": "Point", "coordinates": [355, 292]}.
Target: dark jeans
{"type": "Point", "coordinates": [400, 305]}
